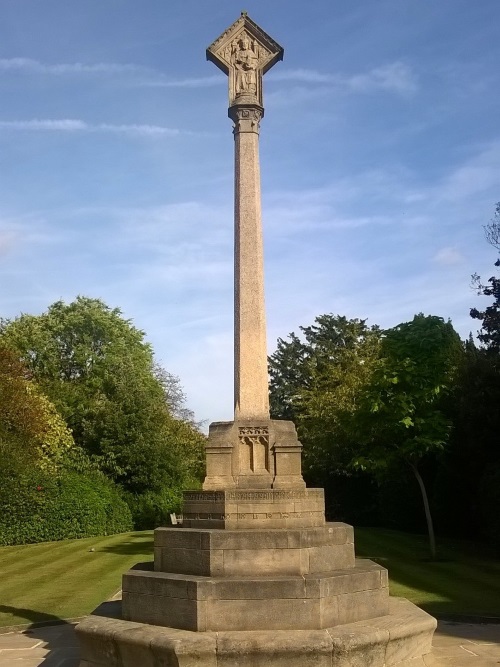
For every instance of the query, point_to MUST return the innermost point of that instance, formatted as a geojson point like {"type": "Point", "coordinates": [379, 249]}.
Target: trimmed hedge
{"type": "Point", "coordinates": [152, 509]}
{"type": "Point", "coordinates": [38, 507]}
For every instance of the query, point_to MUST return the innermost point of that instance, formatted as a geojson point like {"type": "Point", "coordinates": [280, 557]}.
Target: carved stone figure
{"type": "Point", "coordinates": [246, 61]}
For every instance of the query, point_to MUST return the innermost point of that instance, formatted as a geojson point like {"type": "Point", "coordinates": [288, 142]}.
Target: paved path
{"type": "Point", "coordinates": [455, 645]}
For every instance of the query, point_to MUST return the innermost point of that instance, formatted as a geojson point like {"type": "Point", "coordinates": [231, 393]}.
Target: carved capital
{"type": "Point", "coordinates": [246, 118]}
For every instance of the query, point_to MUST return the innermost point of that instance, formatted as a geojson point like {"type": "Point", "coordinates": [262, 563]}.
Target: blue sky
{"type": "Point", "coordinates": [380, 159]}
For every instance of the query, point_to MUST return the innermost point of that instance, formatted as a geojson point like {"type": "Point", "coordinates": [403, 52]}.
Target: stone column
{"type": "Point", "coordinates": [251, 393]}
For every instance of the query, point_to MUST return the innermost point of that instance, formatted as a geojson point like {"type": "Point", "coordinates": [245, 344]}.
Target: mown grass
{"type": "Point", "coordinates": [465, 580]}
{"type": "Point", "coordinates": [58, 580]}
{"type": "Point", "coordinates": [54, 580]}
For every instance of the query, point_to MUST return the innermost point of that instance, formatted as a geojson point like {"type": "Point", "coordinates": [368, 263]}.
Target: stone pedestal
{"type": "Point", "coordinates": [256, 577]}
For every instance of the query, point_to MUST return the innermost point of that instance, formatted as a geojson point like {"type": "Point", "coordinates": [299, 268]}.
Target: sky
{"type": "Point", "coordinates": [380, 164]}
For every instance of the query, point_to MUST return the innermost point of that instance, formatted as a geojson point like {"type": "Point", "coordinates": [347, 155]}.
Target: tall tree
{"type": "Point", "coordinates": [402, 417]}
{"type": "Point", "coordinates": [315, 381]}
{"type": "Point", "coordinates": [100, 373]}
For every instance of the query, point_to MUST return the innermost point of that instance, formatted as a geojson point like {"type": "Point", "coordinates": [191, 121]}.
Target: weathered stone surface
{"type": "Point", "coordinates": [254, 509]}
{"type": "Point", "coordinates": [360, 644]}
{"type": "Point", "coordinates": [258, 453]}
{"type": "Point", "coordinates": [283, 649]}
{"type": "Point", "coordinates": [254, 552]}
{"type": "Point", "coordinates": [250, 602]}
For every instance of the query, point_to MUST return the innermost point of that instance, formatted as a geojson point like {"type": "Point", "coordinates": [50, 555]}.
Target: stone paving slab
{"type": "Point", "coordinates": [454, 645]}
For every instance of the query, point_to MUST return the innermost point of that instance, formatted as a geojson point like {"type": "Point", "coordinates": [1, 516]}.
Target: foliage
{"type": "Point", "coordinates": [36, 506]}
{"type": "Point", "coordinates": [489, 334]}
{"type": "Point", "coordinates": [489, 502]}
{"type": "Point", "coordinates": [316, 381]}
{"type": "Point", "coordinates": [154, 508]}
{"type": "Point", "coordinates": [402, 409]}
{"type": "Point", "coordinates": [402, 412]}
{"type": "Point", "coordinates": [31, 429]}
{"type": "Point", "coordinates": [100, 373]}
{"type": "Point", "coordinates": [473, 445]}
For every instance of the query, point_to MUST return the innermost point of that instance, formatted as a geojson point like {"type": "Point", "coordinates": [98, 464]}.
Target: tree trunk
{"type": "Point", "coordinates": [430, 526]}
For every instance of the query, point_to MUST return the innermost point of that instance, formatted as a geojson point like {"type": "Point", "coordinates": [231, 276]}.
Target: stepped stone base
{"type": "Point", "coordinates": [397, 639]}
{"type": "Point", "coordinates": [227, 553]}
{"type": "Point", "coordinates": [306, 602]}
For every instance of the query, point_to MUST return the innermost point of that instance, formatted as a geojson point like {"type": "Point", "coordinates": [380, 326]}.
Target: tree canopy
{"type": "Point", "coordinates": [31, 429]}
{"type": "Point", "coordinates": [121, 407]}
{"type": "Point", "coordinates": [489, 335]}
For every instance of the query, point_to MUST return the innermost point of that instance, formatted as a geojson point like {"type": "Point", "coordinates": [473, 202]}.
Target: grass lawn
{"type": "Point", "coordinates": [464, 580]}
{"type": "Point", "coordinates": [53, 580]}
{"type": "Point", "coordinates": [44, 582]}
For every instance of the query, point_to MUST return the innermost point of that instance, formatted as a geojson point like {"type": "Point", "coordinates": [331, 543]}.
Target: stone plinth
{"type": "Point", "coordinates": [253, 454]}
{"type": "Point", "coordinates": [398, 639]}
{"type": "Point", "coordinates": [229, 553]}
{"type": "Point", "coordinates": [254, 509]}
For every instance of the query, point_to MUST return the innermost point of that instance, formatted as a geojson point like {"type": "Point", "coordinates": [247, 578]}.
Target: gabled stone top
{"type": "Point", "coordinates": [245, 52]}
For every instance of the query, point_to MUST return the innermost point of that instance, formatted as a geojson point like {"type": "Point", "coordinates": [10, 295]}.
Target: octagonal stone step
{"type": "Point", "coordinates": [305, 602]}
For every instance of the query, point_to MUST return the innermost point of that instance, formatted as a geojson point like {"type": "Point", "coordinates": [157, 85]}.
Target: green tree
{"type": "Point", "coordinates": [31, 430]}
{"type": "Point", "coordinates": [315, 381]}
{"type": "Point", "coordinates": [100, 373]}
{"type": "Point", "coordinates": [402, 416]}
{"type": "Point", "coordinates": [489, 334]}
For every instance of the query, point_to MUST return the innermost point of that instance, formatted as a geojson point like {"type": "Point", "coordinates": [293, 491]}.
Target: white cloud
{"type": "Point", "coordinates": [75, 125]}
{"type": "Point", "coordinates": [147, 76]}
{"type": "Point", "coordinates": [448, 256]}
{"type": "Point", "coordinates": [7, 240]}
{"type": "Point", "coordinates": [396, 77]}
{"type": "Point", "coordinates": [30, 65]}
{"type": "Point", "coordinates": [195, 82]}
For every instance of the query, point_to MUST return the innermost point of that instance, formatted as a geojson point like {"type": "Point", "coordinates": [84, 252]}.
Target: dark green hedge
{"type": "Point", "coordinates": [38, 507]}
{"type": "Point", "coordinates": [489, 499]}
{"type": "Point", "coordinates": [152, 509]}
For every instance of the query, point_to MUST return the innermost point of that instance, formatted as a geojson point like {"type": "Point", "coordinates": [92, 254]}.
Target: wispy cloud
{"type": "Point", "coordinates": [75, 125]}
{"type": "Point", "coordinates": [396, 77]}
{"type": "Point", "coordinates": [448, 256]}
{"type": "Point", "coordinates": [35, 66]}
{"type": "Point", "coordinates": [146, 76]}
{"type": "Point", "coordinates": [194, 82]}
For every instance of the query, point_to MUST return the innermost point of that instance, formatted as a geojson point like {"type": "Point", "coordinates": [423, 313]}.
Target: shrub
{"type": "Point", "coordinates": [38, 507]}
{"type": "Point", "coordinates": [152, 509]}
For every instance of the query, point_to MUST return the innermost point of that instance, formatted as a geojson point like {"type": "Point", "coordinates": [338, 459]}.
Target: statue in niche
{"type": "Point", "coordinates": [245, 58]}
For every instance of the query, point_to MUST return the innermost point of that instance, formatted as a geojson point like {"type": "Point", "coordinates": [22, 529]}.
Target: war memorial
{"type": "Point", "coordinates": [255, 576]}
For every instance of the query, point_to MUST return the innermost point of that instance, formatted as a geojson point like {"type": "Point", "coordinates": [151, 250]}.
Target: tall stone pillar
{"type": "Point", "coordinates": [251, 390]}
{"type": "Point", "coordinates": [253, 451]}
{"type": "Point", "coordinates": [254, 577]}
{"type": "Point", "coordinates": [245, 52]}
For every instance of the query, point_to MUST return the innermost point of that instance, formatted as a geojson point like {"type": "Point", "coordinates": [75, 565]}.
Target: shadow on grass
{"type": "Point", "coordinates": [463, 584]}
{"type": "Point", "coordinates": [139, 544]}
